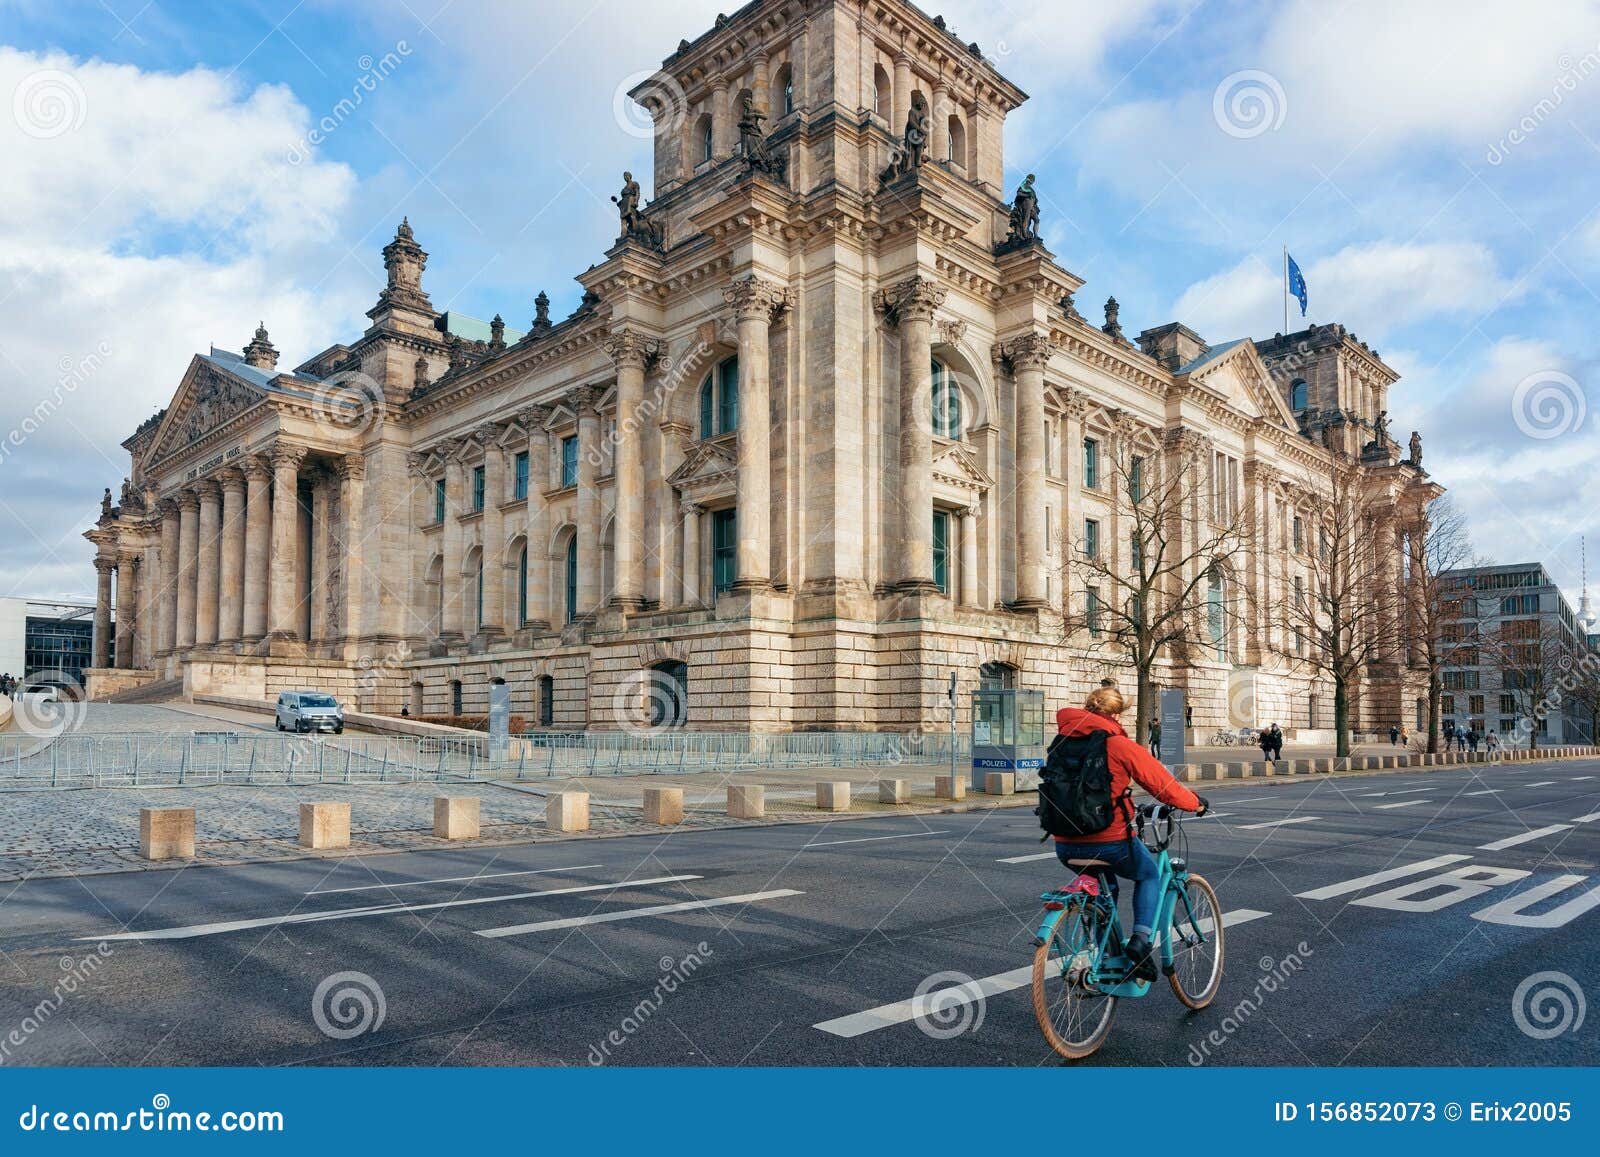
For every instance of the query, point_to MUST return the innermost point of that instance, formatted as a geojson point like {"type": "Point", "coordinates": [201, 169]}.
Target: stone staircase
{"type": "Point", "coordinates": [159, 691]}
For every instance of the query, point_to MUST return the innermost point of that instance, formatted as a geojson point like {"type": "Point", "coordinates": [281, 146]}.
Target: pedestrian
{"type": "Point", "coordinates": [1394, 735]}
{"type": "Point", "coordinates": [1405, 738]}
{"type": "Point", "coordinates": [1472, 739]}
{"type": "Point", "coordinates": [1272, 743]}
{"type": "Point", "coordinates": [1155, 737]}
{"type": "Point", "coordinates": [1491, 743]}
{"type": "Point", "coordinates": [1449, 734]}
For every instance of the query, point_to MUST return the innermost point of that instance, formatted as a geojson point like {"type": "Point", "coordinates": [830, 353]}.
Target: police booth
{"type": "Point", "coordinates": [1008, 734]}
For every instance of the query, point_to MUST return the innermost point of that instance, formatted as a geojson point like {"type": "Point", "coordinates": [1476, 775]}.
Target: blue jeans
{"type": "Point", "coordinates": [1131, 860]}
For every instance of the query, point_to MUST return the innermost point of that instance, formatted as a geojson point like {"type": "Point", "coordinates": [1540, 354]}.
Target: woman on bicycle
{"type": "Point", "coordinates": [1115, 844]}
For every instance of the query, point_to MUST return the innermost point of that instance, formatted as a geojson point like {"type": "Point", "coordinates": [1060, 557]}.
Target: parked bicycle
{"type": "Point", "coordinates": [1223, 738]}
{"type": "Point", "coordinates": [1080, 968]}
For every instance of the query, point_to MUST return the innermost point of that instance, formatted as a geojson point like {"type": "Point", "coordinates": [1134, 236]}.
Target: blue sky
{"type": "Point", "coordinates": [1432, 167]}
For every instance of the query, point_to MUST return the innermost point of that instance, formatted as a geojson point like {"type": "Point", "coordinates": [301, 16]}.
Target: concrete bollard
{"type": "Point", "coordinates": [1299, 766]}
{"type": "Point", "coordinates": [1235, 770]}
{"type": "Point", "coordinates": [950, 787]}
{"type": "Point", "coordinates": [663, 805]}
{"type": "Point", "coordinates": [1000, 783]}
{"type": "Point", "coordinates": [1268, 768]}
{"type": "Point", "coordinates": [567, 811]}
{"type": "Point", "coordinates": [455, 817]}
{"type": "Point", "coordinates": [1342, 763]}
{"type": "Point", "coordinates": [324, 826]}
{"type": "Point", "coordinates": [894, 791]}
{"type": "Point", "coordinates": [166, 833]}
{"type": "Point", "coordinates": [833, 795]}
{"type": "Point", "coordinates": [748, 802]}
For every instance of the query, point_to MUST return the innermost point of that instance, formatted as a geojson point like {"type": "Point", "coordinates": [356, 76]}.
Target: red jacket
{"type": "Point", "coordinates": [1128, 761]}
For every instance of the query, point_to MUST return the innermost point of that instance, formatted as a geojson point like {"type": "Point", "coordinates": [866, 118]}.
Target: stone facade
{"type": "Point", "coordinates": [814, 439]}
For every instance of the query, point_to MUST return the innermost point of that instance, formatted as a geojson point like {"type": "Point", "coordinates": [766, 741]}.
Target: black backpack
{"type": "Point", "coordinates": [1075, 797]}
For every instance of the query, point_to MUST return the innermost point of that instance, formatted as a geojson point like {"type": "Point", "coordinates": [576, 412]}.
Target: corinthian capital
{"type": "Point", "coordinates": [754, 297]}
{"type": "Point", "coordinates": [915, 299]}
{"type": "Point", "coordinates": [287, 457]}
{"type": "Point", "coordinates": [629, 347]}
{"type": "Point", "coordinates": [351, 468]}
{"type": "Point", "coordinates": [1030, 351]}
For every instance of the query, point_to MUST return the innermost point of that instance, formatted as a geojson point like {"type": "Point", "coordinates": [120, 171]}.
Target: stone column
{"type": "Point", "coordinates": [257, 548]}
{"type": "Point", "coordinates": [722, 121]}
{"type": "Point", "coordinates": [541, 592]}
{"type": "Point", "coordinates": [911, 305]}
{"type": "Point", "coordinates": [188, 550]}
{"type": "Point", "coordinates": [127, 585]}
{"type": "Point", "coordinates": [1072, 531]}
{"type": "Point", "coordinates": [902, 93]}
{"type": "Point", "coordinates": [104, 567]}
{"type": "Point", "coordinates": [1028, 355]}
{"type": "Point", "coordinates": [352, 471]}
{"type": "Point", "coordinates": [495, 565]}
{"type": "Point", "coordinates": [209, 564]}
{"type": "Point", "coordinates": [321, 552]}
{"type": "Point", "coordinates": [754, 301]}
{"type": "Point", "coordinates": [940, 111]}
{"type": "Point", "coordinates": [451, 544]}
{"type": "Point", "coordinates": [631, 351]}
{"type": "Point", "coordinates": [969, 556]}
{"type": "Point", "coordinates": [230, 590]}
{"type": "Point", "coordinates": [588, 530]}
{"type": "Point", "coordinates": [283, 615]}
{"type": "Point", "coordinates": [691, 553]}
{"type": "Point", "coordinates": [166, 638]}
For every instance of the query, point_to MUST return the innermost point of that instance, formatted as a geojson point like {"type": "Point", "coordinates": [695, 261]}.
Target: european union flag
{"type": "Point", "coordinates": [1297, 284]}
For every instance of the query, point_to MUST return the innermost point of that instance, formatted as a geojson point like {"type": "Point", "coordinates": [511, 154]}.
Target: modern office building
{"type": "Point", "coordinates": [49, 639]}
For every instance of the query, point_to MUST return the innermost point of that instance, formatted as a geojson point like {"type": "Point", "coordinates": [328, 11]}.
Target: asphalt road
{"type": "Point", "coordinates": [804, 944]}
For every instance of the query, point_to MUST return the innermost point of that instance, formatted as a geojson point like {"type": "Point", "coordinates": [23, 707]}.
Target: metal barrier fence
{"type": "Point", "coordinates": [247, 757]}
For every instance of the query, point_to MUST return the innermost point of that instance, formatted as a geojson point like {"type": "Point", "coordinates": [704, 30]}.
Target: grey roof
{"type": "Point", "coordinates": [269, 381]}
{"type": "Point", "coordinates": [469, 328]}
{"type": "Point", "coordinates": [1211, 355]}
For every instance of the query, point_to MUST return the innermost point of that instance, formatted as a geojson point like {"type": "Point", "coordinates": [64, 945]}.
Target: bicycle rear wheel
{"type": "Point", "coordinates": [1074, 1016]}
{"type": "Point", "coordinates": [1196, 959]}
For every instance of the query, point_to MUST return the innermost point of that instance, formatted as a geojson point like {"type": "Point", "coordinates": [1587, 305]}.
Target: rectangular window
{"type": "Point", "coordinates": [728, 396]}
{"type": "Point", "coordinates": [1136, 479]}
{"type": "Point", "coordinates": [1091, 463]}
{"type": "Point", "coordinates": [438, 500]}
{"type": "Point", "coordinates": [1474, 704]}
{"type": "Point", "coordinates": [724, 549]}
{"type": "Point", "coordinates": [1091, 611]}
{"type": "Point", "coordinates": [941, 550]}
{"type": "Point", "coordinates": [1299, 534]}
{"type": "Point", "coordinates": [1447, 704]}
{"type": "Point", "coordinates": [569, 460]}
{"type": "Point", "coordinates": [1136, 553]}
{"type": "Point", "coordinates": [477, 487]}
{"type": "Point", "coordinates": [520, 485]}
{"type": "Point", "coordinates": [1508, 704]}
{"type": "Point", "coordinates": [1091, 538]}
{"type": "Point", "coordinates": [1506, 725]}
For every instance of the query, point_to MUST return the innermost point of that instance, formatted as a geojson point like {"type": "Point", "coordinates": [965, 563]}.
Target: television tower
{"type": "Point", "coordinates": [1586, 616]}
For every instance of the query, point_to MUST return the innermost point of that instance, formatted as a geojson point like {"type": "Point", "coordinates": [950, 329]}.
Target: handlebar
{"type": "Point", "coordinates": [1162, 817]}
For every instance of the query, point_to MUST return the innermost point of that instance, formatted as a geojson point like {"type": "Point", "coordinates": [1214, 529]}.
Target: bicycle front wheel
{"type": "Point", "coordinates": [1196, 936]}
{"type": "Point", "coordinates": [1074, 1015]}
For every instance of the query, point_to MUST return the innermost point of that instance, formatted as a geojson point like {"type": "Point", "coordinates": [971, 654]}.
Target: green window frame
{"type": "Point", "coordinates": [941, 550]}
{"type": "Point", "coordinates": [1091, 538]}
{"type": "Point", "coordinates": [478, 491]}
{"type": "Point", "coordinates": [438, 500]}
{"type": "Point", "coordinates": [572, 578]}
{"type": "Point", "coordinates": [522, 587]}
{"type": "Point", "coordinates": [1091, 463]}
{"type": "Point", "coordinates": [569, 460]}
{"type": "Point", "coordinates": [724, 549]}
{"type": "Point", "coordinates": [520, 485]}
{"type": "Point", "coordinates": [1091, 611]}
{"type": "Point", "coordinates": [719, 400]}
{"type": "Point", "coordinates": [946, 401]}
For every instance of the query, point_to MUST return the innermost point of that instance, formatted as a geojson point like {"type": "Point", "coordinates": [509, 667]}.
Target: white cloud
{"type": "Point", "coordinates": [1374, 289]}
{"type": "Point", "coordinates": [145, 215]}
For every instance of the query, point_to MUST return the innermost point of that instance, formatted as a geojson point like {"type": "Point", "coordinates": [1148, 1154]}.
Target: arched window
{"type": "Point", "coordinates": [706, 141]}
{"type": "Point", "coordinates": [1298, 395]}
{"type": "Point", "coordinates": [785, 87]}
{"type": "Point", "coordinates": [572, 578]}
{"type": "Point", "coordinates": [946, 401]}
{"type": "Point", "coordinates": [997, 677]}
{"type": "Point", "coordinates": [479, 608]}
{"type": "Point", "coordinates": [958, 141]}
{"type": "Point", "coordinates": [547, 701]}
{"type": "Point", "coordinates": [522, 586]}
{"type": "Point", "coordinates": [1216, 612]}
{"type": "Point", "coordinates": [882, 92]}
{"type": "Point", "coordinates": [719, 400]}
{"type": "Point", "coordinates": [455, 696]}
{"type": "Point", "coordinates": [669, 694]}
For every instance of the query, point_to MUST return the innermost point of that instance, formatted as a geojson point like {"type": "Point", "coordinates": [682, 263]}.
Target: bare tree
{"type": "Point", "coordinates": [1539, 660]}
{"type": "Point", "coordinates": [1180, 528]}
{"type": "Point", "coordinates": [1440, 610]}
{"type": "Point", "coordinates": [1345, 623]}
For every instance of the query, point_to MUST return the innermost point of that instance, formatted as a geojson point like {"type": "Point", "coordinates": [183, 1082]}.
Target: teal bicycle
{"type": "Point", "coordinates": [1080, 968]}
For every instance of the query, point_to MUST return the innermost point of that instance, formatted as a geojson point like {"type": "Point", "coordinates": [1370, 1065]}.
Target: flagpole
{"type": "Point", "coordinates": [1286, 289]}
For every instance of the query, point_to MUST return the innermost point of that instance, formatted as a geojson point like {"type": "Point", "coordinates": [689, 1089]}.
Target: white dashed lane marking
{"type": "Point", "coordinates": [636, 913]}
{"type": "Point", "coordinates": [1490, 791]}
{"type": "Point", "coordinates": [1524, 838]}
{"type": "Point", "coordinates": [1541, 783]}
{"type": "Point", "coordinates": [871, 839]}
{"type": "Point", "coordinates": [1403, 803]}
{"type": "Point", "coordinates": [1279, 823]}
{"type": "Point", "coordinates": [449, 880]}
{"type": "Point", "coordinates": [945, 999]}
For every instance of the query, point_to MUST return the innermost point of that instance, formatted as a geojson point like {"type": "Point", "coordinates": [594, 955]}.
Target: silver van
{"type": "Point", "coordinates": [309, 711]}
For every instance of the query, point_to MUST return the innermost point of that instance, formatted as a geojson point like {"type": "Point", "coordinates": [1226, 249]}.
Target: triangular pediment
{"type": "Point", "coordinates": [208, 397]}
{"type": "Point", "coordinates": [955, 465]}
{"type": "Point", "coordinates": [706, 460]}
{"type": "Point", "coordinates": [1237, 375]}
